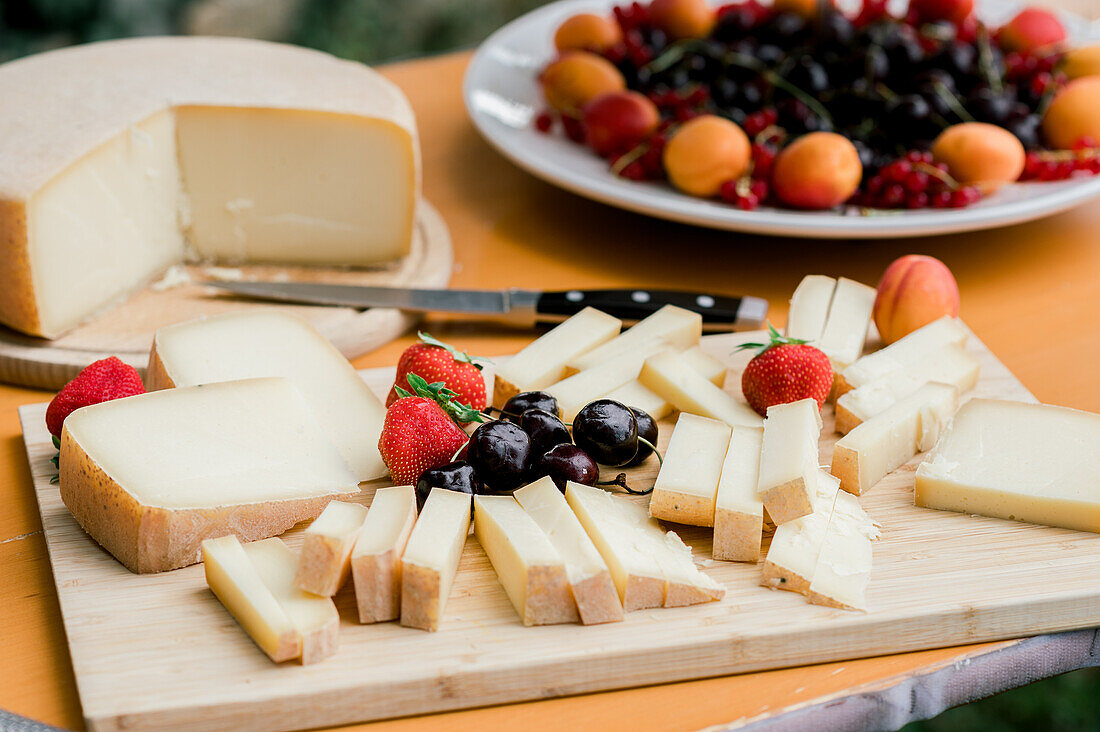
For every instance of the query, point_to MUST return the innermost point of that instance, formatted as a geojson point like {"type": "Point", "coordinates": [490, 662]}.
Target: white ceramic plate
{"type": "Point", "coordinates": [502, 98]}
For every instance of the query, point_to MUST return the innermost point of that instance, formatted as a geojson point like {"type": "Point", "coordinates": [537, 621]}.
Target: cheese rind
{"type": "Point", "coordinates": [810, 308]}
{"type": "Point", "coordinates": [593, 589]}
{"type": "Point", "coordinates": [687, 483]}
{"type": "Point", "coordinates": [788, 459]}
{"type": "Point", "coordinates": [376, 558]}
{"type": "Point", "coordinates": [1016, 461]}
{"type": "Point", "coordinates": [675, 326]}
{"type": "Point", "coordinates": [528, 566]}
{"type": "Point", "coordinates": [795, 548]}
{"type": "Point", "coordinates": [902, 353]}
{"type": "Point", "coordinates": [252, 344]}
{"type": "Point", "coordinates": [880, 445]}
{"type": "Point", "coordinates": [325, 559]}
{"type": "Point", "coordinates": [671, 377]}
{"type": "Point", "coordinates": [543, 362]}
{"type": "Point", "coordinates": [431, 558]}
{"type": "Point", "coordinates": [739, 512]}
{"type": "Point", "coordinates": [243, 457]}
{"type": "Point", "coordinates": [849, 318]}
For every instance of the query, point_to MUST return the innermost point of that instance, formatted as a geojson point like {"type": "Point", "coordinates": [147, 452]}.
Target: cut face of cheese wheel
{"type": "Point", "coordinates": [849, 318]}
{"type": "Point", "coordinates": [593, 589]}
{"type": "Point", "coordinates": [865, 455]}
{"type": "Point", "coordinates": [326, 548]}
{"type": "Point", "coordinates": [431, 557]}
{"type": "Point", "coordinates": [376, 558]}
{"type": "Point", "coordinates": [677, 327]}
{"type": "Point", "coordinates": [687, 483]}
{"type": "Point", "coordinates": [670, 376]}
{"type": "Point", "coordinates": [796, 545]}
{"type": "Point", "coordinates": [949, 365]}
{"type": "Point", "coordinates": [542, 362]}
{"type": "Point", "coordinates": [1016, 461]}
{"type": "Point", "coordinates": [526, 563]}
{"type": "Point", "coordinates": [911, 349]}
{"type": "Point", "coordinates": [844, 564]}
{"type": "Point", "coordinates": [167, 152]}
{"type": "Point", "coordinates": [241, 457]}
{"type": "Point", "coordinates": [788, 459]}
{"type": "Point", "coordinates": [637, 395]}
{"type": "Point", "coordinates": [810, 308]}
{"type": "Point", "coordinates": [578, 390]}
{"type": "Point", "coordinates": [252, 344]}
{"type": "Point", "coordinates": [739, 512]}
{"type": "Point", "coordinates": [707, 365]}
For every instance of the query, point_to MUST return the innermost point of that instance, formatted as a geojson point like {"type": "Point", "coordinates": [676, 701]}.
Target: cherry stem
{"type": "Point", "coordinates": [459, 451]}
{"type": "Point", "coordinates": [620, 481]}
{"type": "Point", "coordinates": [651, 446]}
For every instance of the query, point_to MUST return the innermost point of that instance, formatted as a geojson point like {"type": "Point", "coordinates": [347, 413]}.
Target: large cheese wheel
{"type": "Point", "coordinates": [120, 159]}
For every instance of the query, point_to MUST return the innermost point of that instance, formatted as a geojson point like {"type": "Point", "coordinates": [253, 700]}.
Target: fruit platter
{"type": "Point", "coordinates": [800, 118]}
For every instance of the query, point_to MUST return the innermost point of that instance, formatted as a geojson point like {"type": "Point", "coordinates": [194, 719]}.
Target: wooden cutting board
{"type": "Point", "coordinates": [160, 652]}
{"type": "Point", "coordinates": [127, 330]}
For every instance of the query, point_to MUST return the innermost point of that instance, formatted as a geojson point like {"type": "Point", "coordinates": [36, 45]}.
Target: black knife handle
{"type": "Point", "coordinates": [720, 312]}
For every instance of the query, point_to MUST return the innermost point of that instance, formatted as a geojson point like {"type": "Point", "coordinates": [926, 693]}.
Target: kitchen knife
{"type": "Point", "coordinates": [720, 312]}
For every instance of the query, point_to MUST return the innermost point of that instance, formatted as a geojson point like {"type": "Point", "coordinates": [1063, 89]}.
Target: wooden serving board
{"type": "Point", "coordinates": [160, 652]}
{"type": "Point", "coordinates": [127, 330]}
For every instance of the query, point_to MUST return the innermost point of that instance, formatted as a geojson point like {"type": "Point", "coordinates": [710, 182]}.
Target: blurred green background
{"type": "Point", "coordinates": [380, 30]}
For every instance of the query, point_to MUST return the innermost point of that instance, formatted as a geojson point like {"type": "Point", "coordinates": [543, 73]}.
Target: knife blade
{"type": "Point", "coordinates": [720, 312]}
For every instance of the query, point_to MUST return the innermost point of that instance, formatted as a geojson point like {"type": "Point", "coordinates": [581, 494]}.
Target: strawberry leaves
{"type": "Point", "coordinates": [459, 356]}
{"type": "Point", "coordinates": [441, 395]}
{"type": "Point", "coordinates": [775, 339]}
{"type": "Point", "coordinates": [55, 460]}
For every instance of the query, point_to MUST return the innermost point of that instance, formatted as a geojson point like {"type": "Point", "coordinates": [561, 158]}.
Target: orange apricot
{"type": "Point", "coordinates": [682, 18]}
{"type": "Point", "coordinates": [705, 153]}
{"type": "Point", "coordinates": [587, 32]}
{"type": "Point", "coordinates": [980, 154]}
{"type": "Point", "coordinates": [1082, 61]}
{"type": "Point", "coordinates": [576, 78]}
{"type": "Point", "coordinates": [1074, 113]}
{"type": "Point", "coordinates": [817, 171]}
{"type": "Point", "coordinates": [914, 291]}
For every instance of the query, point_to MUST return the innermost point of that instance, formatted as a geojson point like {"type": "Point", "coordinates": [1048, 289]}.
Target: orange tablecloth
{"type": "Point", "coordinates": [1030, 292]}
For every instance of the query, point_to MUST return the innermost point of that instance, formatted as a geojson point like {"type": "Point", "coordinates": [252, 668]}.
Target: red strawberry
{"type": "Point", "coordinates": [435, 361]}
{"type": "Point", "coordinates": [101, 381]}
{"type": "Point", "coordinates": [421, 431]}
{"type": "Point", "coordinates": [785, 370]}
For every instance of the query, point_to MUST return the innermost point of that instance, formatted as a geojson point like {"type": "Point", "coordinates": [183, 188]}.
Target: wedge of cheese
{"type": "Point", "coordinates": [149, 477]}
{"type": "Point", "coordinates": [376, 558]}
{"type": "Point", "coordinates": [637, 576]}
{"type": "Point", "coordinates": [949, 365]}
{"type": "Point", "coordinates": [431, 557]}
{"type": "Point", "coordinates": [789, 459]}
{"type": "Point", "coordinates": [843, 567]}
{"type": "Point", "coordinates": [125, 157]}
{"type": "Point", "coordinates": [709, 367]}
{"type": "Point", "coordinates": [849, 318]}
{"type": "Point", "coordinates": [250, 344]}
{"type": "Point", "coordinates": [880, 445]}
{"type": "Point", "coordinates": [542, 362]}
{"type": "Point", "coordinates": [593, 589]}
{"type": "Point", "coordinates": [325, 561]}
{"type": "Point", "coordinates": [911, 349]}
{"type": "Point", "coordinates": [809, 308]}
{"type": "Point", "coordinates": [795, 548]}
{"type": "Point", "coordinates": [528, 566]}
{"type": "Point", "coordinates": [255, 583]}
{"type": "Point", "coordinates": [739, 512]}
{"type": "Point", "coordinates": [670, 376]}
{"type": "Point", "coordinates": [1016, 461]}
{"type": "Point", "coordinates": [574, 392]}
{"type": "Point", "coordinates": [639, 396]}
{"type": "Point", "coordinates": [675, 326]}
{"type": "Point", "coordinates": [687, 483]}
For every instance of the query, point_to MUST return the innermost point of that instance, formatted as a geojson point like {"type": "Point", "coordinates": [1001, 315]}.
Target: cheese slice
{"type": "Point", "coordinates": [250, 344]}
{"type": "Point", "coordinates": [602, 379]}
{"type": "Point", "coordinates": [431, 557]}
{"type": "Point", "coordinates": [639, 396]}
{"type": "Point", "coordinates": [542, 362]}
{"type": "Point", "coordinates": [739, 512]}
{"type": "Point", "coordinates": [707, 365]}
{"type": "Point", "coordinates": [376, 558]}
{"type": "Point", "coordinates": [796, 545]}
{"type": "Point", "coordinates": [810, 308]}
{"type": "Point", "coordinates": [675, 326]}
{"type": "Point", "coordinates": [1023, 462]}
{"type": "Point", "coordinates": [528, 566]}
{"type": "Point", "coordinates": [880, 445]}
{"type": "Point", "coordinates": [788, 459]}
{"type": "Point", "coordinates": [593, 589]}
{"type": "Point", "coordinates": [949, 365]}
{"type": "Point", "coordinates": [849, 318]}
{"type": "Point", "coordinates": [687, 483]}
{"type": "Point", "coordinates": [843, 567]}
{"type": "Point", "coordinates": [326, 548]}
{"type": "Point", "coordinates": [122, 158]}
{"type": "Point", "coordinates": [915, 347]}
{"type": "Point", "coordinates": [637, 576]}
{"type": "Point", "coordinates": [234, 580]}
{"type": "Point", "coordinates": [669, 375]}
{"type": "Point", "coordinates": [314, 617]}
{"type": "Point", "coordinates": [150, 476]}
